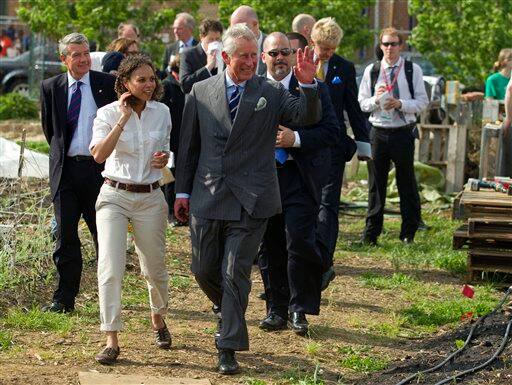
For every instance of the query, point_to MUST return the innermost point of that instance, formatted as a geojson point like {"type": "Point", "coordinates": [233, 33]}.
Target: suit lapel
{"type": "Point", "coordinates": [61, 100]}
{"type": "Point", "coordinates": [332, 69]}
{"type": "Point", "coordinates": [294, 86]}
{"type": "Point", "coordinates": [96, 88]}
{"type": "Point", "coordinates": [245, 109]}
{"type": "Point", "coordinates": [219, 101]}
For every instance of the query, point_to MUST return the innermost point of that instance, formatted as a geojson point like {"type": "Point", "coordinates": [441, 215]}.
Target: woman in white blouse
{"type": "Point", "coordinates": [131, 136]}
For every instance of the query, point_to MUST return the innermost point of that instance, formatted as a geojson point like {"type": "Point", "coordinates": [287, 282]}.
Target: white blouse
{"type": "Point", "coordinates": [130, 162]}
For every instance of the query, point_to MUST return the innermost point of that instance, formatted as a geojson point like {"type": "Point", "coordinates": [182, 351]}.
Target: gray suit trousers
{"type": "Point", "coordinates": [223, 252]}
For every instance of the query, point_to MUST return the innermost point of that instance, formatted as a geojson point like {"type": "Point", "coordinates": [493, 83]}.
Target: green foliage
{"type": "Point", "coordinates": [37, 320]}
{"type": "Point", "coordinates": [468, 35]}
{"type": "Point", "coordinates": [180, 282]}
{"type": "Point", "coordinates": [37, 145]}
{"type": "Point", "coordinates": [254, 381]}
{"type": "Point", "coordinates": [348, 14]}
{"type": "Point", "coordinates": [298, 377]}
{"type": "Point", "coordinates": [17, 106]}
{"type": "Point", "coordinates": [98, 19]}
{"type": "Point", "coordinates": [360, 360]}
{"type": "Point", "coordinates": [5, 340]}
{"type": "Point", "coordinates": [397, 280]}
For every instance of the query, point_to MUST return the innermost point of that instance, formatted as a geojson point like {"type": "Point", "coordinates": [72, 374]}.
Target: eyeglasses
{"type": "Point", "coordinates": [390, 43]}
{"type": "Point", "coordinates": [284, 52]}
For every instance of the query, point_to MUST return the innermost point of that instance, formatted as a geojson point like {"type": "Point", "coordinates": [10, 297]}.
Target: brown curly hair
{"type": "Point", "coordinates": [126, 68]}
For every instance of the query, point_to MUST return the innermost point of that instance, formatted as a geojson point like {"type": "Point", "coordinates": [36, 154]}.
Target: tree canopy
{"type": "Point", "coordinates": [462, 38]}
{"type": "Point", "coordinates": [277, 15]}
{"type": "Point", "coordinates": [98, 19]}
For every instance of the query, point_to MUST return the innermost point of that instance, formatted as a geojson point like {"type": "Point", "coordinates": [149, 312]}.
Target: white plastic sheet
{"type": "Point", "coordinates": [35, 164]}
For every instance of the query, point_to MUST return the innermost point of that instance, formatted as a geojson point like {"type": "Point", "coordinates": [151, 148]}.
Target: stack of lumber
{"type": "Point", "coordinates": [487, 231]}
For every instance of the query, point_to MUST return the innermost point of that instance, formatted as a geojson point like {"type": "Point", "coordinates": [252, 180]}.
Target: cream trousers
{"type": "Point", "coordinates": [148, 215]}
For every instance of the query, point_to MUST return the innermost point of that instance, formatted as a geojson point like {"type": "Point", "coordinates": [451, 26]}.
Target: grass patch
{"type": "Point", "coordinates": [36, 145]}
{"type": "Point", "coordinates": [360, 360]}
{"type": "Point", "coordinates": [313, 348]}
{"type": "Point", "coordinates": [135, 292]}
{"type": "Point", "coordinates": [298, 376]}
{"type": "Point", "coordinates": [180, 282]}
{"type": "Point", "coordinates": [254, 381]}
{"type": "Point", "coordinates": [37, 320]}
{"type": "Point", "coordinates": [397, 280]}
{"type": "Point", "coordinates": [5, 340]}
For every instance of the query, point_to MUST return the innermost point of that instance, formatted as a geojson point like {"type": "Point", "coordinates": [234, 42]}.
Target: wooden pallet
{"type": "Point", "coordinates": [481, 204]}
{"type": "Point", "coordinates": [462, 238]}
{"type": "Point", "coordinates": [489, 260]}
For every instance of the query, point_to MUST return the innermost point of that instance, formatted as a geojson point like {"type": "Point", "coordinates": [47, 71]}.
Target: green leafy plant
{"type": "Point", "coordinates": [5, 341]}
{"type": "Point", "coordinates": [36, 319]}
{"type": "Point", "coordinates": [17, 106]}
{"type": "Point", "coordinates": [36, 145]}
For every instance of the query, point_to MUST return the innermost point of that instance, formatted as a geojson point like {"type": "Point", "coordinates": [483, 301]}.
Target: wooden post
{"type": "Point", "coordinates": [457, 150]}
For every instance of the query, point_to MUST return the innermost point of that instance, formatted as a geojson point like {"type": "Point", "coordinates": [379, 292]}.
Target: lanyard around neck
{"type": "Point", "coordinates": [390, 86]}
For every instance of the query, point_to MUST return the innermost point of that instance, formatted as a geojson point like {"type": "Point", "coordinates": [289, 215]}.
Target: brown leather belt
{"type": "Point", "coordinates": [136, 188]}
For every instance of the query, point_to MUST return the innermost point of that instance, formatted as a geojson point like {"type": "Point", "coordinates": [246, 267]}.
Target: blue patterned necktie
{"type": "Point", "coordinates": [234, 101]}
{"type": "Point", "coordinates": [74, 110]}
{"type": "Point", "coordinates": [281, 155]}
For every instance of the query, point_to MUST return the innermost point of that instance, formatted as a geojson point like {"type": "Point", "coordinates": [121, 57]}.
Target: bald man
{"type": "Point", "coordinates": [303, 24]}
{"type": "Point", "coordinates": [247, 15]}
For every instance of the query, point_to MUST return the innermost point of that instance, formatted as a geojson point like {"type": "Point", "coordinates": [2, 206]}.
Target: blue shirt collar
{"type": "Point", "coordinates": [231, 83]}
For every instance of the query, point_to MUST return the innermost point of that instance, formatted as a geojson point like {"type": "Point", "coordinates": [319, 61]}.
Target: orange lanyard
{"type": "Point", "coordinates": [389, 86]}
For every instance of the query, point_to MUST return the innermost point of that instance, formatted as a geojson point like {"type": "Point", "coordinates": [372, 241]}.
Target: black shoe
{"type": "Point", "coordinates": [368, 241]}
{"type": "Point", "coordinates": [298, 323]}
{"type": "Point", "coordinates": [327, 277]}
{"type": "Point", "coordinates": [163, 337]}
{"type": "Point", "coordinates": [57, 307]}
{"type": "Point", "coordinates": [227, 362]}
{"type": "Point", "coordinates": [108, 356]}
{"type": "Point", "coordinates": [273, 322]}
{"type": "Point", "coordinates": [407, 241]}
{"type": "Point", "coordinates": [422, 226]}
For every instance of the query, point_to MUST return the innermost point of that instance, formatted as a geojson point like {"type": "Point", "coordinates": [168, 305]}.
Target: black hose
{"type": "Point", "coordinates": [468, 339]}
{"type": "Point", "coordinates": [481, 366]}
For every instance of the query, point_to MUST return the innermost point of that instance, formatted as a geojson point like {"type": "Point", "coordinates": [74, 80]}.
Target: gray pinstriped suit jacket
{"type": "Point", "coordinates": [226, 167]}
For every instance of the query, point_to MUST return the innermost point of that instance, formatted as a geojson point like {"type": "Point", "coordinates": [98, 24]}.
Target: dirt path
{"type": "Point", "coordinates": [43, 357]}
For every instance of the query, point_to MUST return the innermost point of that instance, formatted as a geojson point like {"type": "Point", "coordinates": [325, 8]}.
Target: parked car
{"type": "Point", "coordinates": [14, 72]}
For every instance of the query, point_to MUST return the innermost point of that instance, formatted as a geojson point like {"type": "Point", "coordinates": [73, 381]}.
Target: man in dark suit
{"type": "Point", "coordinates": [69, 102]}
{"type": "Point", "coordinates": [183, 30]}
{"type": "Point", "coordinates": [340, 76]}
{"type": "Point", "coordinates": [289, 258]}
{"type": "Point", "coordinates": [200, 62]}
{"type": "Point", "coordinates": [226, 167]}
{"type": "Point", "coordinates": [248, 16]}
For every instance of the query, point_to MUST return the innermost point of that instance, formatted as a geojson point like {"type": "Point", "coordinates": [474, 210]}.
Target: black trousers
{"type": "Point", "coordinates": [76, 197]}
{"type": "Point", "coordinates": [222, 256]}
{"type": "Point", "coordinates": [328, 221]}
{"type": "Point", "coordinates": [170, 196]}
{"type": "Point", "coordinates": [395, 146]}
{"type": "Point", "coordinates": [290, 258]}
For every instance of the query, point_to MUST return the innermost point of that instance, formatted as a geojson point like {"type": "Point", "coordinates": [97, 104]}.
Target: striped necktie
{"type": "Point", "coordinates": [234, 101]}
{"type": "Point", "coordinates": [396, 91]}
{"type": "Point", "coordinates": [74, 110]}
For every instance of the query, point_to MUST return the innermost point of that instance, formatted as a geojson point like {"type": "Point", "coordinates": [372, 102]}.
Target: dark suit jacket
{"type": "Point", "coordinates": [192, 67]}
{"type": "Point", "coordinates": [313, 158]}
{"type": "Point", "coordinates": [54, 102]}
{"type": "Point", "coordinates": [175, 100]}
{"type": "Point", "coordinates": [344, 97]}
{"type": "Point", "coordinates": [227, 167]}
{"type": "Point", "coordinates": [172, 49]}
{"type": "Point", "coordinates": [261, 68]}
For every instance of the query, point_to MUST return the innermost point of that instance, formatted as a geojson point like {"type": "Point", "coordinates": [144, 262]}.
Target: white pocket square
{"type": "Point", "coordinates": [262, 103]}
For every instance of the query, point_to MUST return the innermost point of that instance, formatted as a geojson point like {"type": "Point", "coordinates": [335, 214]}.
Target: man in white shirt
{"type": "Point", "coordinates": [393, 118]}
{"type": "Point", "coordinates": [201, 62]}
{"type": "Point", "coordinates": [290, 261]}
{"type": "Point", "coordinates": [183, 30]}
{"type": "Point", "coordinates": [248, 16]}
{"type": "Point", "coordinates": [69, 102]}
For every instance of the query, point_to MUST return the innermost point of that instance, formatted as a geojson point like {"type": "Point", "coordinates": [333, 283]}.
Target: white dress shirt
{"type": "Point", "coordinates": [286, 83]}
{"type": "Point", "coordinates": [82, 137]}
{"type": "Point", "coordinates": [410, 107]}
{"type": "Point", "coordinates": [130, 162]}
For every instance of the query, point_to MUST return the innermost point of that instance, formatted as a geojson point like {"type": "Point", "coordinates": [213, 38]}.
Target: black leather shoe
{"type": "Point", "coordinates": [327, 277]}
{"type": "Point", "coordinates": [163, 337]}
{"type": "Point", "coordinates": [408, 241]}
{"type": "Point", "coordinates": [298, 323]}
{"type": "Point", "coordinates": [227, 362]}
{"type": "Point", "coordinates": [273, 322]}
{"type": "Point", "coordinates": [57, 307]}
{"type": "Point", "coordinates": [368, 241]}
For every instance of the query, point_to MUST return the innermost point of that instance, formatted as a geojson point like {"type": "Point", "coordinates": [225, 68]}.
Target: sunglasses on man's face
{"type": "Point", "coordinates": [284, 52]}
{"type": "Point", "coordinates": [390, 43]}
